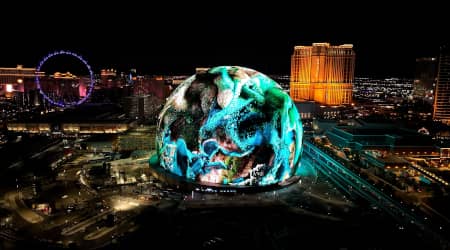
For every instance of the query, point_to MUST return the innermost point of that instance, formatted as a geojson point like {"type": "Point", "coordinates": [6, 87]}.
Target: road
{"type": "Point", "coordinates": [13, 198]}
{"type": "Point", "coordinates": [84, 224]}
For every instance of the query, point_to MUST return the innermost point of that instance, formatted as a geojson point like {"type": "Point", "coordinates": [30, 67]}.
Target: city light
{"type": "Point", "coordinates": [124, 204]}
{"type": "Point", "coordinates": [9, 88]}
{"type": "Point", "coordinates": [226, 156]}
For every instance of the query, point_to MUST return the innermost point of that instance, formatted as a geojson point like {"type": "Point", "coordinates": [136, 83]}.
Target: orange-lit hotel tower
{"type": "Point", "coordinates": [441, 109]}
{"type": "Point", "coordinates": [323, 73]}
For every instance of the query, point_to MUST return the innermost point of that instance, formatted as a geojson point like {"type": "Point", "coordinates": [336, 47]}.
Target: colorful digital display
{"type": "Point", "coordinates": [230, 125]}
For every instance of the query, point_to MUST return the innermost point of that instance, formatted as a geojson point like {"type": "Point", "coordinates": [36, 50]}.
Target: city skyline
{"type": "Point", "coordinates": [167, 41]}
{"type": "Point", "coordinates": [301, 125]}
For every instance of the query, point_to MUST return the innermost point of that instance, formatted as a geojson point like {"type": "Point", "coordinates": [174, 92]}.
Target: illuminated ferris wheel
{"type": "Point", "coordinates": [65, 89]}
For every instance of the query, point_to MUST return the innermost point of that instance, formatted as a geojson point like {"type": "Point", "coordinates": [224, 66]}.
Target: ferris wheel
{"type": "Point", "coordinates": [65, 89]}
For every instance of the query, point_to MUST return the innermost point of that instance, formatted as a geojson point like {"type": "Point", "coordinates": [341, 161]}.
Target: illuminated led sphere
{"type": "Point", "coordinates": [230, 125]}
{"type": "Point", "coordinates": [60, 103]}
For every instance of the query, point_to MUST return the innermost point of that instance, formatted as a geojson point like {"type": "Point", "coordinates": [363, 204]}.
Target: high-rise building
{"type": "Point", "coordinates": [16, 75]}
{"type": "Point", "coordinates": [323, 73]}
{"type": "Point", "coordinates": [18, 79]}
{"type": "Point", "coordinates": [441, 108]}
{"type": "Point", "coordinates": [107, 78]}
{"type": "Point", "coordinates": [143, 107]}
{"type": "Point", "coordinates": [425, 77]}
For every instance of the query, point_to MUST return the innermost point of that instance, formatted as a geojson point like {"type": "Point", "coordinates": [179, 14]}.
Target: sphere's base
{"type": "Point", "coordinates": [181, 183]}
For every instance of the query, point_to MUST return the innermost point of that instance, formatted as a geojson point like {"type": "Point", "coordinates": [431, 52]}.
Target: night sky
{"type": "Point", "coordinates": [173, 39]}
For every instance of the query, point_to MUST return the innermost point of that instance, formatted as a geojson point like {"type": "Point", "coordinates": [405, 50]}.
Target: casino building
{"type": "Point", "coordinates": [323, 73]}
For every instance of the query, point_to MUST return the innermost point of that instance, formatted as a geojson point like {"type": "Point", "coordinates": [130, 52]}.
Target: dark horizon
{"type": "Point", "coordinates": [166, 41]}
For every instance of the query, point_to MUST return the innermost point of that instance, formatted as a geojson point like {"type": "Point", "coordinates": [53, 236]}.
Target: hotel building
{"type": "Point", "coordinates": [323, 73]}
{"type": "Point", "coordinates": [441, 108]}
